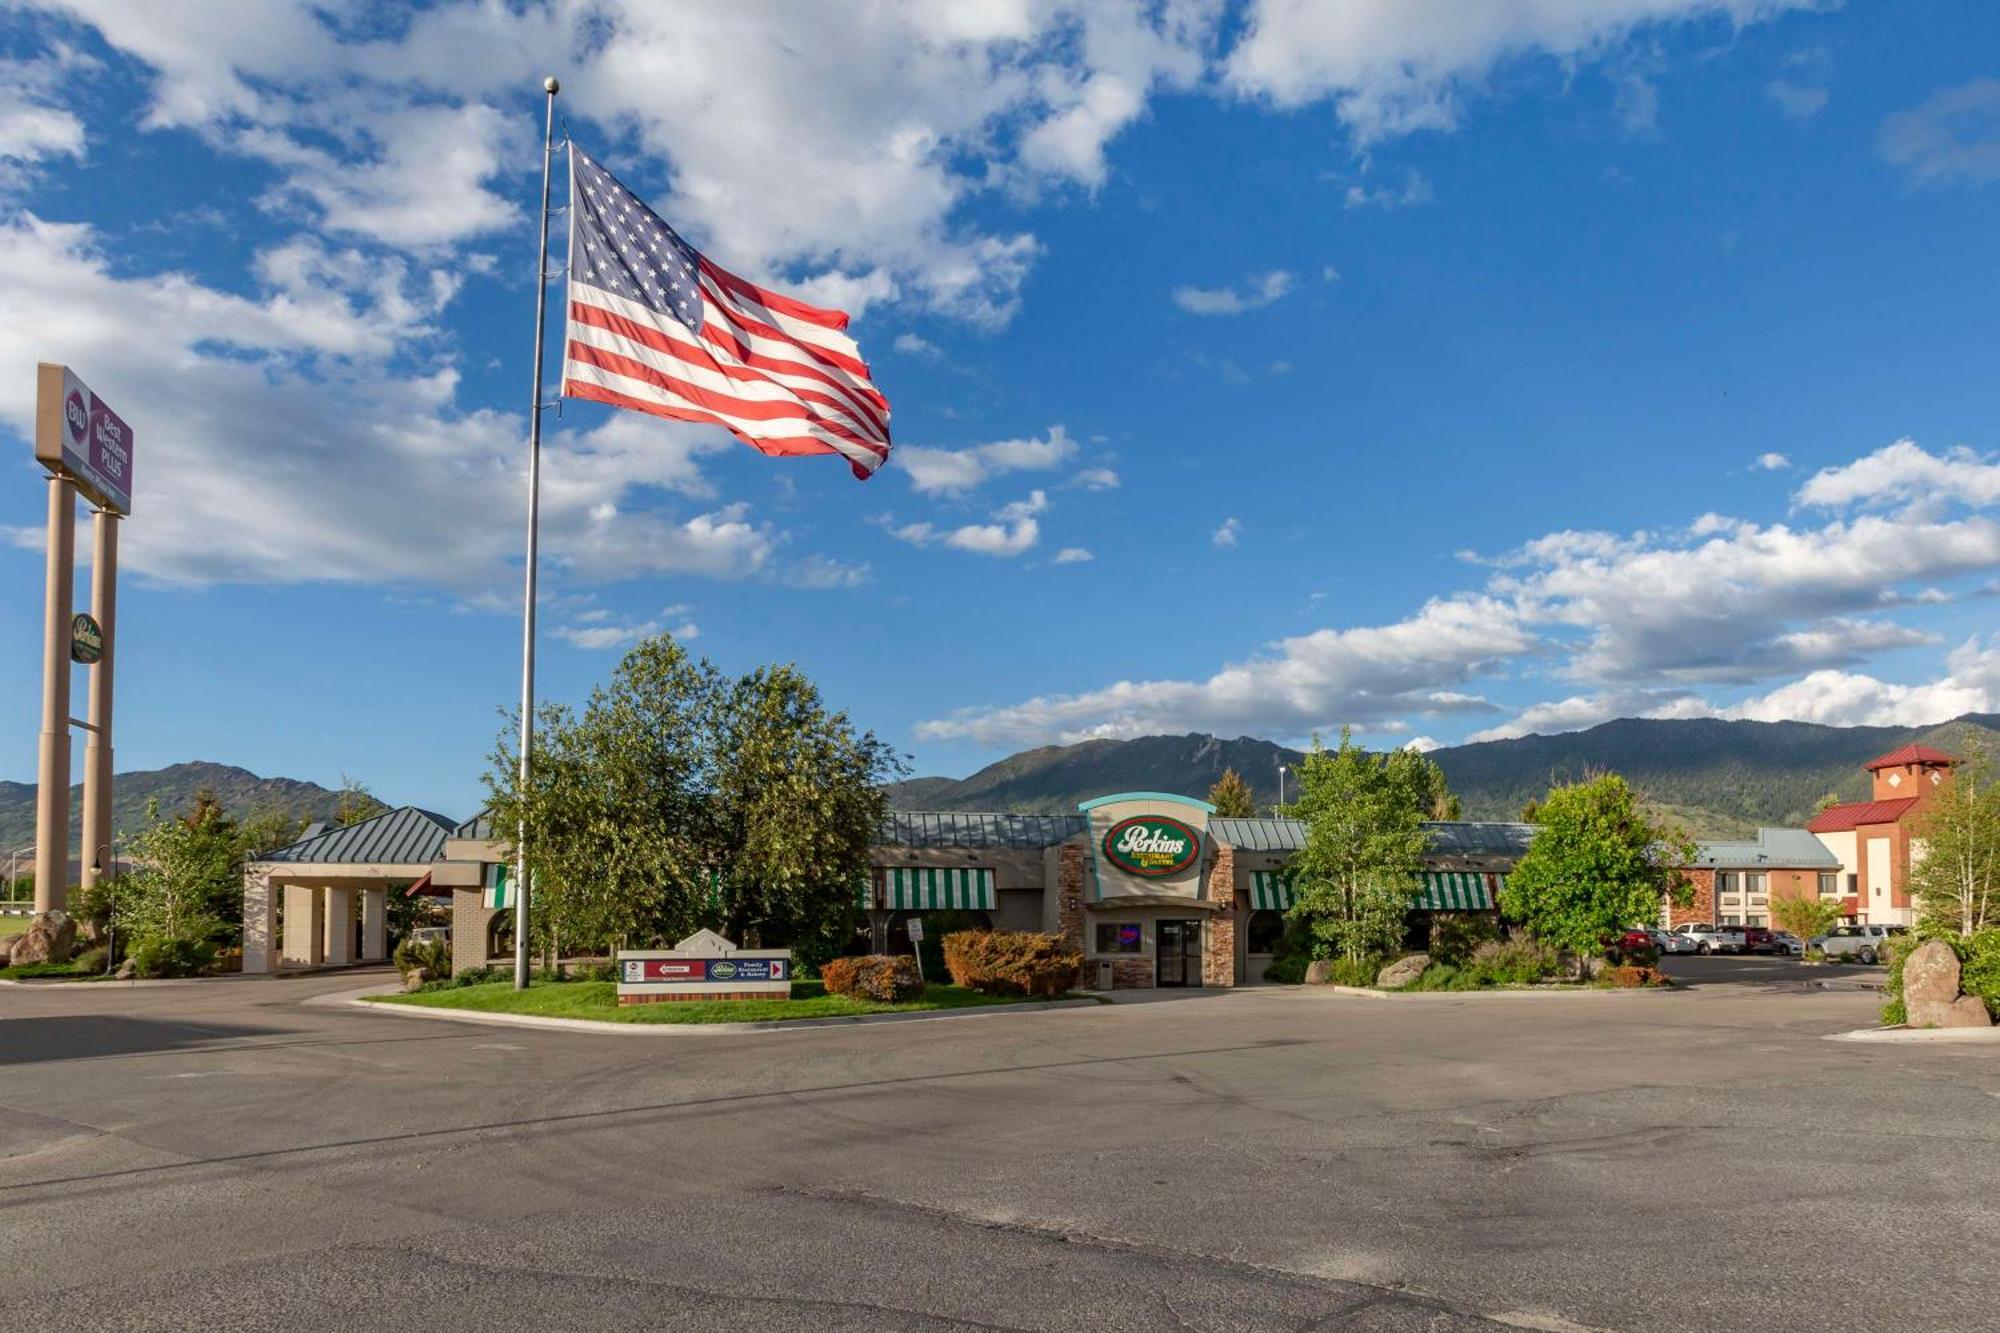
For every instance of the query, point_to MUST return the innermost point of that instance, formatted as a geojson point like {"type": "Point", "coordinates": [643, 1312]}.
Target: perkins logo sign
{"type": "Point", "coordinates": [1151, 846]}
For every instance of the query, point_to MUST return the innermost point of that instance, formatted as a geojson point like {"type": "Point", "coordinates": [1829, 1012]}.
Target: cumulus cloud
{"type": "Point", "coordinates": [1415, 189]}
{"type": "Point", "coordinates": [1014, 532]}
{"type": "Point", "coordinates": [957, 471]}
{"type": "Point", "coordinates": [911, 344]}
{"type": "Point", "coordinates": [1315, 681]}
{"type": "Point", "coordinates": [1253, 293]}
{"type": "Point", "coordinates": [1227, 534]}
{"type": "Point", "coordinates": [1773, 462]}
{"type": "Point", "coordinates": [1971, 684]}
{"type": "Point", "coordinates": [1953, 135]}
{"type": "Point", "coordinates": [1074, 555]}
{"type": "Point", "coordinates": [591, 633]}
{"type": "Point", "coordinates": [1096, 479]}
{"type": "Point", "coordinates": [1392, 67]}
{"type": "Point", "coordinates": [1904, 473]}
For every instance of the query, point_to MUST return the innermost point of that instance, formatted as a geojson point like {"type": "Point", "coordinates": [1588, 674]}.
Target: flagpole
{"type": "Point", "coordinates": [521, 952]}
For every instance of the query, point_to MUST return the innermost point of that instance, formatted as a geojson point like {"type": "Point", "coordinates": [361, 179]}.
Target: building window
{"type": "Point", "coordinates": [1725, 881]}
{"type": "Point", "coordinates": [1756, 880]}
{"type": "Point", "coordinates": [1829, 884]}
{"type": "Point", "coordinates": [1265, 930]}
{"type": "Point", "coordinates": [1120, 937]}
{"type": "Point", "coordinates": [1854, 883]}
{"type": "Point", "coordinates": [1732, 921]}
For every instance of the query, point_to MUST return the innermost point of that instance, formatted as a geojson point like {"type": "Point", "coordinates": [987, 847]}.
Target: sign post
{"type": "Point", "coordinates": [86, 448]}
{"type": "Point", "coordinates": [917, 938]}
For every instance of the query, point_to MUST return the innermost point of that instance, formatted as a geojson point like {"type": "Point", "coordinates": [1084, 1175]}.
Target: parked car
{"type": "Point", "coordinates": [1788, 943]}
{"type": "Point", "coordinates": [1861, 943]}
{"type": "Point", "coordinates": [1709, 938]}
{"type": "Point", "coordinates": [1637, 939]}
{"type": "Point", "coordinates": [431, 935]}
{"type": "Point", "coordinates": [1667, 941]}
{"type": "Point", "coordinates": [1759, 939]}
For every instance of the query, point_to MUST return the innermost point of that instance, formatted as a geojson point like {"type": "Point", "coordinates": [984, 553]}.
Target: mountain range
{"type": "Point", "coordinates": [1719, 778]}
{"type": "Point", "coordinates": [241, 792]}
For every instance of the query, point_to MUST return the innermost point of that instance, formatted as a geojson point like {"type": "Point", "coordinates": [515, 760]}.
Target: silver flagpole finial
{"type": "Point", "coordinates": [552, 85]}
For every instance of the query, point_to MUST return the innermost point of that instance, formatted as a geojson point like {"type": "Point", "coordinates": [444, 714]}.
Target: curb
{"type": "Point", "coordinates": [1537, 992]}
{"type": "Point", "coordinates": [354, 999]}
{"type": "Point", "coordinates": [1899, 1035]}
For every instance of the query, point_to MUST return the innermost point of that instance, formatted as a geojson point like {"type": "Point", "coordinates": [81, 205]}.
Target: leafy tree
{"type": "Point", "coordinates": [678, 799]}
{"type": "Point", "coordinates": [1805, 914]}
{"type": "Point", "coordinates": [1423, 782]}
{"type": "Point", "coordinates": [1598, 865]}
{"type": "Point", "coordinates": [1357, 873]}
{"type": "Point", "coordinates": [267, 830]}
{"type": "Point", "coordinates": [185, 874]}
{"type": "Point", "coordinates": [1231, 796]}
{"type": "Point", "coordinates": [1956, 880]}
{"type": "Point", "coordinates": [355, 803]}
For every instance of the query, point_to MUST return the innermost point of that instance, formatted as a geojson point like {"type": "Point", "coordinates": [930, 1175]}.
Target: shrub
{"type": "Point", "coordinates": [1981, 955]}
{"type": "Point", "coordinates": [1517, 962]}
{"type": "Point", "coordinates": [89, 962]}
{"type": "Point", "coordinates": [594, 969]}
{"type": "Point", "coordinates": [433, 956]}
{"type": "Point", "coordinates": [1356, 971]}
{"type": "Point", "coordinates": [1440, 976]}
{"type": "Point", "coordinates": [167, 956]}
{"type": "Point", "coordinates": [1288, 969]}
{"type": "Point", "coordinates": [1454, 936]}
{"type": "Point", "coordinates": [1895, 952]}
{"type": "Point", "coordinates": [884, 978]}
{"type": "Point", "coordinates": [1629, 977]}
{"type": "Point", "coordinates": [1011, 962]}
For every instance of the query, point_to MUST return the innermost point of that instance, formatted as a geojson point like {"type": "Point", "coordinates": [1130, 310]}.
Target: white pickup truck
{"type": "Point", "coordinates": [1713, 939]}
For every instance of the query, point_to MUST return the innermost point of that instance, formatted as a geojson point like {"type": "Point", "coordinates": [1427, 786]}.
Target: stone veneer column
{"type": "Point", "coordinates": [1218, 942]}
{"type": "Point", "coordinates": [1069, 895]}
{"type": "Point", "coordinates": [260, 922]}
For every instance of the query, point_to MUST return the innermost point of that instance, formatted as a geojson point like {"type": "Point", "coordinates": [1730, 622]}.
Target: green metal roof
{"type": "Point", "coordinates": [906, 828]}
{"type": "Point", "coordinates": [1790, 848]}
{"type": "Point", "coordinates": [407, 836]}
{"type": "Point", "coordinates": [1448, 837]}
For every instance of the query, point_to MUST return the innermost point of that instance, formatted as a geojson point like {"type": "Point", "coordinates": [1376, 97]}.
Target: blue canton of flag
{"type": "Point", "coordinates": [622, 246]}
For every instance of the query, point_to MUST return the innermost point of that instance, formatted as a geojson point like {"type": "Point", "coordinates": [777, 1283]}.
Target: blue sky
{"type": "Point", "coordinates": [1452, 370]}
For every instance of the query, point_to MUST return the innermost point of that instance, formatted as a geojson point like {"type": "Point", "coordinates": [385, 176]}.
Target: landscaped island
{"type": "Point", "coordinates": [599, 1000]}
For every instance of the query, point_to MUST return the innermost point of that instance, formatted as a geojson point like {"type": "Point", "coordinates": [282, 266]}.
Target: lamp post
{"type": "Point", "coordinates": [110, 916]}
{"type": "Point", "coordinates": [1281, 790]}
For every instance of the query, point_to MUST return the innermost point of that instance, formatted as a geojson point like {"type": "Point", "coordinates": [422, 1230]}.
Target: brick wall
{"type": "Point", "coordinates": [1132, 974]}
{"type": "Point", "coordinates": [1218, 949]}
{"type": "Point", "coordinates": [1069, 894]}
{"type": "Point", "coordinates": [1702, 906]}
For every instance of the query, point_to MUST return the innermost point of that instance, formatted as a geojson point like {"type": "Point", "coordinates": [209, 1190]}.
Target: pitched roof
{"type": "Point", "coordinates": [1909, 754]}
{"type": "Point", "coordinates": [407, 836]}
{"type": "Point", "coordinates": [905, 828]}
{"type": "Point", "coordinates": [1448, 838]}
{"type": "Point", "coordinates": [1845, 818]}
{"type": "Point", "coordinates": [1792, 848]}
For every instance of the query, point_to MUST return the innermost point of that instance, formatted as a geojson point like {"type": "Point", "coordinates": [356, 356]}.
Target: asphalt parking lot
{"type": "Point", "coordinates": [219, 1156]}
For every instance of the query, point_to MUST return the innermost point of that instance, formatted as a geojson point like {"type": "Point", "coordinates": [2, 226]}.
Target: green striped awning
{"type": "Point", "coordinates": [498, 892]}
{"type": "Point", "coordinates": [1458, 890]}
{"type": "Point", "coordinates": [937, 888]}
{"type": "Point", "coordinates": [1270, 891]}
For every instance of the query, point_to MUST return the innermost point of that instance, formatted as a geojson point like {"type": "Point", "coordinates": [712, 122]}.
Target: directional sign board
{"type": "Point", "coordinates": [916, 930]}
{"type": "Point", "coordinates": [704, 966]}
{"type": "Point", "coordinates": [78, 436]}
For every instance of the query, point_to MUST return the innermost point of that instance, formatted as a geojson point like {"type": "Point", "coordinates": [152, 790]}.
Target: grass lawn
{"type": "Point", "coordinates": [48, 972]}
{"type": "Point", "coordinates": [599, 1000]}
{"type": "Point", "coordinates": [14, 925]}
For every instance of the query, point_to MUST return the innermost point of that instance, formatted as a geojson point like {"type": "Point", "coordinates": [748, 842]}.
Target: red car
{"type": "Point", "coordinates": [1758, 939]}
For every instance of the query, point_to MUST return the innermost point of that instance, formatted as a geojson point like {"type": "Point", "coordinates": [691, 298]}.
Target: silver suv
{"type": "Point", "coordinates": [1713, 939]}
{"type": "Point", "coordinates": [1864, 944]}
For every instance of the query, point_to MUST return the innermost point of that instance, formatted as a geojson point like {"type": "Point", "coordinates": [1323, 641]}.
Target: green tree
{"type": "Point", "coordinates": [1805, 914]}
{"type": "Point", "coordinates": [185, 874]}
{"type": "Point", "coordinates": [355, 803]}
{"type": "Point", "coordinates": [1597, 865]}
{"type": "Point", "coordinates": [678, 799]}
{"type": "Point", "coordinates": [1423, 784]}
{"type": "Point", "coordinates": [1357, 873]}
{"type": "Point", "coordinates": [1231, 796]}
{"type": "Point", "coordinates": [1956, 880]}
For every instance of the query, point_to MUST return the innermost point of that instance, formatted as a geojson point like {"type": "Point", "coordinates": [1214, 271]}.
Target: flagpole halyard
{"type": "Point", "coordinates": [550, 87]}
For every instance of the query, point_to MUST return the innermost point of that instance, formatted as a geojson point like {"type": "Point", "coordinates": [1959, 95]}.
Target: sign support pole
{"type": "Point", "coordinates": [97, 833]}
{"type": "Point", "coordinates": [52, 774]}
{"type": "Point", "coordinates": [521, 951]}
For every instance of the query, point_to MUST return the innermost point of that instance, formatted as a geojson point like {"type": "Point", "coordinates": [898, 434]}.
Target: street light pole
{"type": "Point", "coordinates": [1281, 790]}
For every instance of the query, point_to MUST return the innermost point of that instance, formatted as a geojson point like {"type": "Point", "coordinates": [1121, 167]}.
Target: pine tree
{"type": "Point", "coordinates": [1231, 796]}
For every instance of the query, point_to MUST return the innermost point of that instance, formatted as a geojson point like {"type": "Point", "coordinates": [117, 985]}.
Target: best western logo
{"type": "Point", "coordinates": [1151, 845]}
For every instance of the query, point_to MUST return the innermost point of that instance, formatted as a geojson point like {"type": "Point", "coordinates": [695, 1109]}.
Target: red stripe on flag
{"type": "Point", "coordinates": [776, 446]}
{"type": "Point", "coordinates": [778, 301]}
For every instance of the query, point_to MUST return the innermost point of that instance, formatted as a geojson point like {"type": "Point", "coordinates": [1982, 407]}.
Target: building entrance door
{"type": "Point", "coordinates": [1177, 960]}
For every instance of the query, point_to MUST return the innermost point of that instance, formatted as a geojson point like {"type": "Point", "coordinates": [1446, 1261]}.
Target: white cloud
{"type": "Point", "coordinates": [1315, 681]}
{"type": "Point", "coordinates": [1073, 555]}
{"type": "Point", "coordinates": [1416, 189]}
{"type": "Point", "coordinates": [1227, 534]}
{"type": "Point", "coordinates": [1328, 273]}
{"type": "Point", "coordinates": [1953, 135]}
{"type": "Point", "coordinates": [1096, 479]}
{"type": "Point", "coordinates": [957, 471]}
{"type": "Point", "coordinates": [403, 138]}
{"type": "Point", "coordinates": [1903, 473]}
{"type": "Point", "coordinates": [379, 479]}
{"type": "Point", "coordinates": [1773, 462]}
{"type": "Point", "coordinates": [1798, 101]}
{"type": "Point", "coordinates": [1253, 293]}
{"type": "Point", "coordinates": [1391, 67]}
{"type": "Point", "coordinates": [35, 126]}
{"type": "Point", "coordinates": [911, 344]}
{"type": "Point", "coordinates": [1971, 684]}
{"type": "Point", "coordinates": [1015, 531]}
{"type": "Point", "coordinates": [1423, 744]}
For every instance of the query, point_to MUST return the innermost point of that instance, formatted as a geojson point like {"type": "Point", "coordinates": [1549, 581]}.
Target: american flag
{"type": "Point", "coordinates": [656, 327]}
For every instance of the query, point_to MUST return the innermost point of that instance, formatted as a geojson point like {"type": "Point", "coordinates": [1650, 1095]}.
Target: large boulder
{"type": "Point", "coordinates": [1930, 984]}
{"type": "Point", "coordinates": [1967, 1011]}
{"type": "Point", "coordinates": [1403, 971]}
{"type": "Point", "coordinates": [7, 943]}
{"type": "Point", "coordinates": [49, 938]}
{"type": "Point", "coordinates": [1319, 972]}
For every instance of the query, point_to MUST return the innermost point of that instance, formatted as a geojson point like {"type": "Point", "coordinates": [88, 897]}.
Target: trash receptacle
{"type": "Point", "coordinates": [1104, 974]}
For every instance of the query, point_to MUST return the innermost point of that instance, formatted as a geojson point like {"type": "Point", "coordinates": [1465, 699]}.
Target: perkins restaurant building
{"type": "Point", "coordinates": [1152, 888]}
